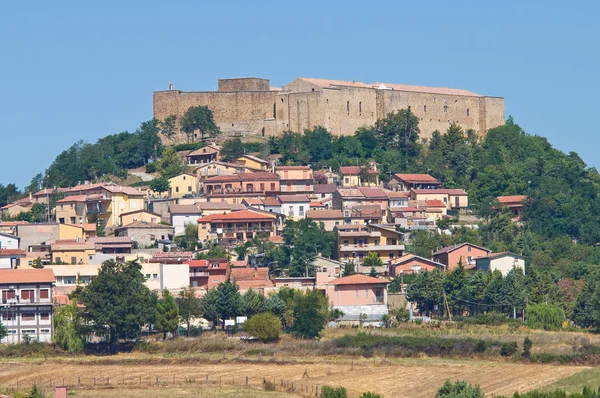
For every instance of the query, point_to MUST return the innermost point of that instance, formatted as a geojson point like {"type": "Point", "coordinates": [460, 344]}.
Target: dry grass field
{"type": "Point", "coordinates": [134, 375]}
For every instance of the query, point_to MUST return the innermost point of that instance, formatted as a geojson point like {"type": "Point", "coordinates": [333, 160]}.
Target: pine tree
{"type": "Point", "coordinates": [167, 314]}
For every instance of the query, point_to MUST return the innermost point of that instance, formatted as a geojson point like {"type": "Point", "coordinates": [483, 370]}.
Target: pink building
{"type": "Point", "coordinates": [464, 253]}
{"type": "Point", "coordinates": [359, 297]}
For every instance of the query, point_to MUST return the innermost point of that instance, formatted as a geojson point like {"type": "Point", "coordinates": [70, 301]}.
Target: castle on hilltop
{"type": "Point", "coordinates": [250, 106]}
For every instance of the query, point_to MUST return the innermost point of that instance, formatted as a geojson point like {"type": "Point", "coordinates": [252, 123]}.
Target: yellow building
{"type": "Point", "coordinates": [73, 232]}
{"type": "Point", "coordinates": [454, 199]}
{"type": "Point", "coordinates": [356, 241]}
{"type": "Point", "coordinates": [183, 184]}
{"type": "Point", "coordinates": [71, 251]}
{"type": "Point", "coordinates": [359, 176]}
{"type": "Point", "coordinates": [236, 227]}
{"type": "Point", "coordinates": [253, 162]}
{"type": "Point", "coordinates": [140, 215]}
{"type": "Point", "coordinates": [101, 203]}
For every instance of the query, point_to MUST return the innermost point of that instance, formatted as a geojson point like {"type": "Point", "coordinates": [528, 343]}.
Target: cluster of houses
{"type": "Point", "coordinates": [231, 203]}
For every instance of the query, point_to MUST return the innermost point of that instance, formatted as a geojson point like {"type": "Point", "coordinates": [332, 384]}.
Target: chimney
{"type": "Point", "coordinates": [170, 86]}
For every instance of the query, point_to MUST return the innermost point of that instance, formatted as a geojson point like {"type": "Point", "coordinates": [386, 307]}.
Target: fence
{"type": "Point", "coordinates": [300, 387]}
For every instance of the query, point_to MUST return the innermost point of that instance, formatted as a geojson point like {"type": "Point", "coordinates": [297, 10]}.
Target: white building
{"type": "Point", "coordinates": [504, 262]}
{"type": "Point", "coordinates": [294, 206]}
{"type": "Point", "coordinates": [9, 241]}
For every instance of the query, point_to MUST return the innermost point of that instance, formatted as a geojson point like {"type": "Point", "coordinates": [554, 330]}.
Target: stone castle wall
{"type": "Point", "coordinates": [248, 107]}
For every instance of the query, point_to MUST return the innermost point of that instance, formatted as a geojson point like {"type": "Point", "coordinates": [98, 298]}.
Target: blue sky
{"type": "Point", "coordinates": [73, 70]}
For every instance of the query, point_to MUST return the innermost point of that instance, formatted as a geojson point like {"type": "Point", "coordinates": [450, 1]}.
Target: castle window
{"type": "Point", "coordinates": [275, 110]}
{"type": "Point", "coordinates": [424, 108]}
{"type": "Point", "coordinates": [360, 107]}
{"type": "Point", "coordinates": [467, 111]}
{"type": "Point", "coordinates": [445, 108]}
{"type": "Point", "coordinates": [282, 100]}
{"type": "Point", "coordinates": [347, 106]}
{"type": "Point", "coordinates": [313, 89]}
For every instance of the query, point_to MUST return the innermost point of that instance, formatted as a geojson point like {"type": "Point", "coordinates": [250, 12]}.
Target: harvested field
{"type": "Point", "coordinates": [133, 375]}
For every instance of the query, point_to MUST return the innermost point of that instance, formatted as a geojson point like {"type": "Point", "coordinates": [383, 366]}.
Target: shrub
{"type": "Point", "coordinates": [333, 392]}
{"type": "Point", "coordinates": [508, 349]}
{"type": "Point", "coordinates": [265, 327]}
{"type": "Point", "coordinates": [459, 389]}
{"type": "Point", "coordinates": [151, 167]}
{"type": "Point", "coordinates": [480, 346]}
{"type": "Point", "coordinates": [269, 386]}
{"type": "Point", "coordinates": [403, 315]}
{"type": "Point", "coordinates": [527, 344]}
{"type": "Point", "coordinates": [369, 394]}
{"type": "Point", "coordinates": [545, 316]}
{"type": "Point", "coordinates": [585, 393]}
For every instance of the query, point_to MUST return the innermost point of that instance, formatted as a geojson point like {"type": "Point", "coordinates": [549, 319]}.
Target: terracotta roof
{"type": "Point", "coordinates": [12, 223]}
{"type": "Point", "coordinates": [120, 189]}
{"type": "Point", "coordinates": [366, 211]}
{"type": "Point", "coordinates": [350, 192]}
{"type": "Point", "coordinates": [240, 263]}
{"type": "Point", "coordinates": [271, 202]}
{"type": "Point", "coordinates": [143, 224]}
{"type": "Point", "coordinates": [139, 211]}
{"type": "Point", "coordinates": [183, 255]}
{"type": "Point", "coordinates": [416, 178]}
{"type": "Point", "coordinates": [399, 194]}
{"type": "Point", "coordinates": [67, 245]}
{"type": "Point", "coordinates": [276, 239]}
{"type": "Point", "coordinates": [293, 198]}
{"type": "Point", "coordinates": [207, 150]}
{"type": "Point", "coordinates": [358, 279]}
{"type": "Point", "coordinates": [435, 203]}
{"type": "Point", "coordinates": [325, 188]}
{"type": "Point", "coordinates": [37, 254]}
{"type": "Point", "coordinates": [356, 170]}
{"type": "Point", "coordinates": [258, 176]}
{"type": "Point", "coordinates": [316, 205]}
{"type": "Point", "coordinates": [186, 209]}
{"type": "Point", "coordinates": [47, 191]}
{"type": "Point", "coordinates": [42, 275]}
{"type": "Point", "coordinates": [441, 191]}
{"type": "Point", "coordinates": [292, 168]}
{"type": "Point", "coordinates": [253, 201]}
{"type": "Point", "coordinates": [249, 274]}
{"type": "Point", "coordinates": [223, 178]}
{"type": "Point", "coordinates": [325, 214]}
{"type": "Point", "coordinates": [256, 159]}
{"type": "Point", "coordinates": [512, 199]}
{"type": "Point", "coordinates": [88, 227]}
{"type": "Point", "coordinates": [11, 252]}
{"type": "Point", "coordinates": [407, 209]}
{"type": "Point", "coordinates": [237, 215]}
{"type": "Point", "coordinates": [501, 254]}
{"type": "Point", "coordinates": [81, 198]}
{"type": "Point", "coordinates": [450, 249]}
{"type": "Point", "coordinates": [61, 299]}
{"type": "Point", "coordinates": [409, 257]}
{"type": "Point", "coordinates": [428, 90]}
{"type": "Point", "coordinates": [373, 193]}
{"type": "Point", "coordinates": [258, 284]}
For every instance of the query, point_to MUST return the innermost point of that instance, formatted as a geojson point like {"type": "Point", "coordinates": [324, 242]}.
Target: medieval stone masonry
{"type": "Point", "coordinates": [250, 106]}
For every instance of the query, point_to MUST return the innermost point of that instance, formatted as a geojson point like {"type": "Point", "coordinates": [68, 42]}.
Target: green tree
{"type": "Point", "coordinates": [168, 126]}
{"type": "Point", "coordinates": [310, 311]}
{"type": "Point", "coordinates": [68, 325]}
{"type": "Point", "coordinates": [199, 119]}
{"type": "Point", "coordinates": [400, 131]}
{"type": "Point", "coordinates": [303, 241]}
{"type": "Point", "coordinates": [252, 303]}
{"type": "Point", "coordinates": [190, 231]}
{"type": "Point", "coordinates": [265, 327]}
{"type": "Point", "coordinates": [319, 144]}
{"type": "Point", "coordinates": [36, 183]}
{"type": "Point", "coordinates": [372, 260]}
{"type": "Point", "coordinates": [170, 164]}
{"type": "Point", "coordinates": [37, 263]}
{"type": "Point", "coordinates": [210, 307]}
{"type": "Point", "coordinates": [39, 212]}
{"type": "Point", "coordinates": [118, 301]}
{"type": "Point", "coordinates": [167, 314]}
{"type": "Point", "coordinates": [3, 331]}
{"type": "Point", "coordinates": [190, 306]}
{"type": "Point", "coordinates": [459, 389]}
{"type": "Point", "coordinates": [426, 291]}
{"type": "Point", "coordinates": [160, 185]}
{"type": "Point", "coordinates": [349, 269]}
{"type": "Point", "coordinates": [373, 272]}
{"type": "Point", "coordinates": [333, 392]}
{"type": "Point", "coordinates": [229, 301]}
{"type": "Point", "coordinates": [232, 149]}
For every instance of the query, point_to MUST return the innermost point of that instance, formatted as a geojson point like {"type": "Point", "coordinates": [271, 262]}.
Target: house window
{"type": "Point", "coordinates": [272, 186]}
{"type": "Point", "coordinates": [346, 180]}
{"type": "Point", "coordinates": [152, 237]}
{"type": "Point", "coordinates": [346, 257]}
{"type": "Point", "coordinates": [44, 316]}
{"type": "Point", "coordinates": [27, 295]}
{"type": "Point", "coordinates": [57, 259]}
{"type": "Point", "coordinates": [468, 248]}
{"type": "Point", "coordinates": [147, 276]}
{"type": "Point", "coordinates": [73, 220]}
{"type": "Point", "coordinates": [184, 178]}
{"type": "Point", "coordinates": [391, 255]}
{"type": "Point", "coordinates": [262, 187]}
{"type": "Point", "coordinates": [357, 294]}
{"type": "Point", "coordinates": [301, 213]}
{"type": "Point", "coordinates": [61, 220]}
{"type": "Point", "coordinates": [189, 188]}
{"type": "Point", "coordinates": [445, 108]}
{"type": "Point", "coordinates": [467, 111]}
{"type": "Point", "coordinates": [73, 260]}
{"type": "Point", "coordinates": [345, 243]}
{"type": "Point", "coordinates": [367, 293]}
{"type": "Point", "coordinates": [424, 108]}
{"type": "Point", "coordinates": [274, 110]}
{"type": "Point", "coordinates": [44, 294]}
{"type": "Point", "coordinates": [337, 223]}
{"type": "Point", "coordinates": [376, 242]}
{"type": "Point", "coordinates": [203, 226]}
{"type": "Point", "coordinates": [27, 317]}
{"type": "Point", "coordinates": [176, 189]}
{"type": "Point", "coordinates": [154, 276]}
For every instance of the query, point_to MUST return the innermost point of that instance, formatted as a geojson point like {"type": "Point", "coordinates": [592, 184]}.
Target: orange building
{"type": "Point", "coordinates": [464, 253]}
{"type": "Point", "coordinates": [236, 227]}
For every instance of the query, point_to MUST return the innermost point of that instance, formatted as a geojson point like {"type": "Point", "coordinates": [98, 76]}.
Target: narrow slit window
{"type": "Point", "coordinates": [347, 106]}
{"type": "Point", "coordinates": [360, 107]}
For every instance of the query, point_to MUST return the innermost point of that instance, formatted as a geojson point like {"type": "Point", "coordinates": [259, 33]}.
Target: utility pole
{"type": "Point", "coordinates": [446, 304]}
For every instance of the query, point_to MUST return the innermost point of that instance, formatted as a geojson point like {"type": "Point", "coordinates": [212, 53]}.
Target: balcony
{"type": "Point", "coordinates": [199, 273]}
{"type": "Point", "coordinates": [15, 301]}
{"type": "Point", "coordinates": [244, 228]}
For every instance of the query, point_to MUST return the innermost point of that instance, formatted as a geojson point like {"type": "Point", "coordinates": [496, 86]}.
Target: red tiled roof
{"type": "Point", "coordinates": [327, 83]}
{"type": "Point", "coordinates": [240, 263]}
{"type": "Point", "coordinates": [450, 249]}
{"type": "Point", "coordinates": [143, 224]}
{"type": "Point", "coordinates": [292, 168]}
{"type": "Point", "coordinates": [435, 203]}
{"type": "Point", "coordinates": [416, 178]}
{"type": "Point", "coordinates": [293, 198]}
{"type": "Point", "coordinates": [271, 202]}
{"type": "Point", "coordinates": [441, 191]}
{"type": "Point", "coordinates": [80, 198]}
{"type": "Point", "coordinates": [356, 170]}
{"type": "Point", "coordinates": [207, 150]}
{"type": "Point", "coordinates": [325, 214]}
{"type": "Point", "coordinates": [512, 199]}
{"type": "Point", "coordinates": [373, 193]}
{"type": "Point", "coordinates": [358, 279]}
{"type": "Point", "coordinates": [325, 188]}
{"type": "Point", "coordinates": [258, 176]}
{"type": "Point", "coordinates": [253, 201]}
{"type": "Point", "coordinates": [11, 252]}
{"type": "Point", "coordinates": [397, 194]}
{"type": "Point", "coordinates": [256, 159]}
{"type": "Point", "coordinates": [42, 275]}
{"type": "Point", "coordinates": [237, 215]}
{"type": "Point", "coordinates": [223, 178]}
{"type": "Point", "coordinates": [278, 240]}
{"type": "Point", "coordinates": [316, 204]}
{"type": "Point", "coordinates": [183, 255]}
{"type": "Point", "coordinates": [429, 90]}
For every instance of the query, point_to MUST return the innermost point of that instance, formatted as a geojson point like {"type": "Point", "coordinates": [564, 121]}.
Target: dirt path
{"type": "Point", "coordinates": [403, 378]}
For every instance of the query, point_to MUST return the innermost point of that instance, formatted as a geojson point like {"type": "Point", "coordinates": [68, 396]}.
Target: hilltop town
{"type": "Point", "coordinates": [320, 206]}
